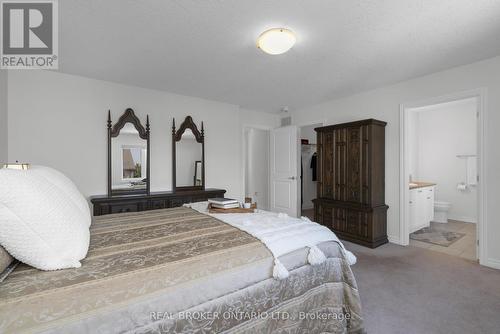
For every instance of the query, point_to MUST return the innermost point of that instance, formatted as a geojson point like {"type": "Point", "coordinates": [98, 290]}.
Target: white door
{"type": "Point", "coordinates": [285, 173]}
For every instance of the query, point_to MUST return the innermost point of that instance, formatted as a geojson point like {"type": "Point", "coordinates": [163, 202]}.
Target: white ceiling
{"type": "Point", "coordinates": [207, 48]}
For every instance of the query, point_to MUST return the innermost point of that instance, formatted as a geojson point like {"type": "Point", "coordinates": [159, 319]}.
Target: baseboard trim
{"type": "Point", "coordinates": [394, 240]}
{"type": "Point", "coordinates": [492, 263]}
{"type": "Point", "coordinates": [464, 219]}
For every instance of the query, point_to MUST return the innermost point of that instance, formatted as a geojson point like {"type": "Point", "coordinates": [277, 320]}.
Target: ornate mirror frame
{"type": "Point", "coordinates": [200, 138]}
{"type": "Point", "coordinates": [144, 133]}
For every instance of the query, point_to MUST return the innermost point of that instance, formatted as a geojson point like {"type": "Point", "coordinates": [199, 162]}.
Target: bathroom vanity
{"type": "Point", "coordinates": [421, 205]}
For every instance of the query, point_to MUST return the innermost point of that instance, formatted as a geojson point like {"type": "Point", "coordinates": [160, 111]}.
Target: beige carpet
{"type": "Point", "coordinates": [414, 290]}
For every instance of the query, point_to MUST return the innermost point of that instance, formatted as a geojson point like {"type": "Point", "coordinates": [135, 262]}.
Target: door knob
{"type": "Point", "coordinates": [292, 178]}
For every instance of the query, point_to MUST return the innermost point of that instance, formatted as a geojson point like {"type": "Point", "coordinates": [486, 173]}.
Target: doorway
{"type": "Point", "coordinates": [256, 165]}
{"type": "Point", "coordinates": [441, 166]}
{"type": "Point", "coordinates": [308, 161]}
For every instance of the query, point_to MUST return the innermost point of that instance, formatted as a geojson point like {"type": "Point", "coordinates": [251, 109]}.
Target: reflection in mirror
{"type": "Point", "coordinates": [197, 173]}
{"type": "Point", "coordinates": [188, 161]}
{"type": "Point", "coordinates": [129, 161]}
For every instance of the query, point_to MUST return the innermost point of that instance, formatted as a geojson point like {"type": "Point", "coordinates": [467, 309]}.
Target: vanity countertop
{"type": "Point", "coordinates": [415, 184]}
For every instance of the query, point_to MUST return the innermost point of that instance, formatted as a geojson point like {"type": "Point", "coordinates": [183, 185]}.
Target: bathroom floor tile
{"type": "Point", "coordinates": [468, 229]}
{"type": "Point", "coordinates": [465, 242]}
{"type": "Point", "coordinates": [420, 244]}
{"type": "Point", "coordinates": [465, 247]}
{"type": "Point", "coordinates": [451, 226]}
{"type": "Point", "coordinates": [469, 254]}
{"type": "Point", "coordinates": [446, 250]}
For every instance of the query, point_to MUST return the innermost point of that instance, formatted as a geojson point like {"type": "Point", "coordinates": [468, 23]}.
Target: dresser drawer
{"type": "Point", "coordinates": [158, 204]}
{"type": "Point", "coordinates": [180, 201]}
{"type": "Point", "coordinates": [199, 199]}
{"type": "Point", "coordinates": [125, 207]}
{"type": "Point", "coordinates": [104, 205]}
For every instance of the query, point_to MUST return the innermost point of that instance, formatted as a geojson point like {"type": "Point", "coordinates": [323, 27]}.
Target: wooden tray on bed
{"type": "Point", "coordinates": [233, 210]}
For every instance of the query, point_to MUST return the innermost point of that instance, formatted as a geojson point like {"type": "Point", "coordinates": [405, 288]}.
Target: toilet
{"type": "Point", "coordinates": [441, 211]}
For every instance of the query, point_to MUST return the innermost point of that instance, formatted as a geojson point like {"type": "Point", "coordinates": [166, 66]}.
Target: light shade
{"type": "Point", "coordinates": [17, 166]}
{"type": "Point", "coordinates": [276, 41]}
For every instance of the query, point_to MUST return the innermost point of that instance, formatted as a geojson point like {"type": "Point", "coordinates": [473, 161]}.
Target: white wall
{"type": "Point", "coordinates": [384, 103]}
{"type": "Point", "coordinates": [257, 167]}
{"type": "Point", "coordinates": [257, 119]}
{"type": "Point", "coordinates": [3, 117]}
{"type": "Point", "coordinates": [59, 120]}
{"type": "Point", "coordinates": [307, 132]}
{"type": "Point", "coordinates": [413, 148]}
{"type": "Point", "coordinates": [445, 131]}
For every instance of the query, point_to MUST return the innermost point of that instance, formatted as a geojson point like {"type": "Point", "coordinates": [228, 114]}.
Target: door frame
{"type": "Point", "coordinates": [299, 126]}
{"type": "Point", "coordinates": [244, 128]}
{"type": "Point", "coordinates": [404, 194]}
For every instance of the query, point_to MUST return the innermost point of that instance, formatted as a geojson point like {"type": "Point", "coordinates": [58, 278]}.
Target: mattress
{"type": "Point", "coordinates": [180, 271]}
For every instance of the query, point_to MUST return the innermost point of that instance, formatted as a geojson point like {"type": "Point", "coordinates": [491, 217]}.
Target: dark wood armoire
{"type": "Point", "coordinates": [351, 181]}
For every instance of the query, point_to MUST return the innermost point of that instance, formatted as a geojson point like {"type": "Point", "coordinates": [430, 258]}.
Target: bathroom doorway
{"type": "Point", "coordinates": [441, 153]}
{"type": "Point", "coordinates": [308, 177]}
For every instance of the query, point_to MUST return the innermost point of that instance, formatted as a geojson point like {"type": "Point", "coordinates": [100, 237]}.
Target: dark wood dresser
{"type": "Point", "coordinates": [104, 205]}
{"type": "Point", "coordinates": [351, 181]}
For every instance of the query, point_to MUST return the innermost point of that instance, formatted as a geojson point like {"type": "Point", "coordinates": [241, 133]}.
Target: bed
{"type": "Point", "coordinates": [180, 271]}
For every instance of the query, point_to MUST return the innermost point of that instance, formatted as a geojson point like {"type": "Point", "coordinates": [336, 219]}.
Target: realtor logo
{"type": "Point", "coordinates": [29, 34]}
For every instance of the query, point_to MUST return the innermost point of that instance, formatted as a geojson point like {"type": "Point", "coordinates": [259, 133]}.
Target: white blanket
{"type": "Point", "coordinates": [281, 234]}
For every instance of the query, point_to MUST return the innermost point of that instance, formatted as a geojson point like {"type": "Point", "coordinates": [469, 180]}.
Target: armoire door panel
{"type": "Point", "coordinates": [340, 166]}
{"type": "Point", "coordinates": [328, 167]}
{"type": "Point", "coordinates": [354, 163]}
{"type": "Point", "coordinates": [365, 165]}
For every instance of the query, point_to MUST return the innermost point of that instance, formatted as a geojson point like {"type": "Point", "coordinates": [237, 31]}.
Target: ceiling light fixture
{"type": "Point", "coordinates": [276, 41]}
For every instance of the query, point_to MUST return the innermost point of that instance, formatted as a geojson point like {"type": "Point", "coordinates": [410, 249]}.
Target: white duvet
{"type": "Point", "coordinates": [281, 234]}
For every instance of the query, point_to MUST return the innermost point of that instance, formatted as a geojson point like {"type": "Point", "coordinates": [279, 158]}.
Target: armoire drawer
{"type": "Point", "coordinates": [365, 225]}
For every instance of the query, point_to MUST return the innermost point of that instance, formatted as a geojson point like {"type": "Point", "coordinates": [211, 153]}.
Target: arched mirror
{"type": "Point", "coordinates": [188, 156]}
{"type": "Point", "coordinates": [128, 155]}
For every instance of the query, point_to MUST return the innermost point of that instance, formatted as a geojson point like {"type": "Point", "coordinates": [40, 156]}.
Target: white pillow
{"type": "Point", "coordinates": [44, 220]}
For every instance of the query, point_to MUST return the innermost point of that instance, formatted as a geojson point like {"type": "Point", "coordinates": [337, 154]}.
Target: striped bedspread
{"type": "Point", "coordinates": [143, 269]}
